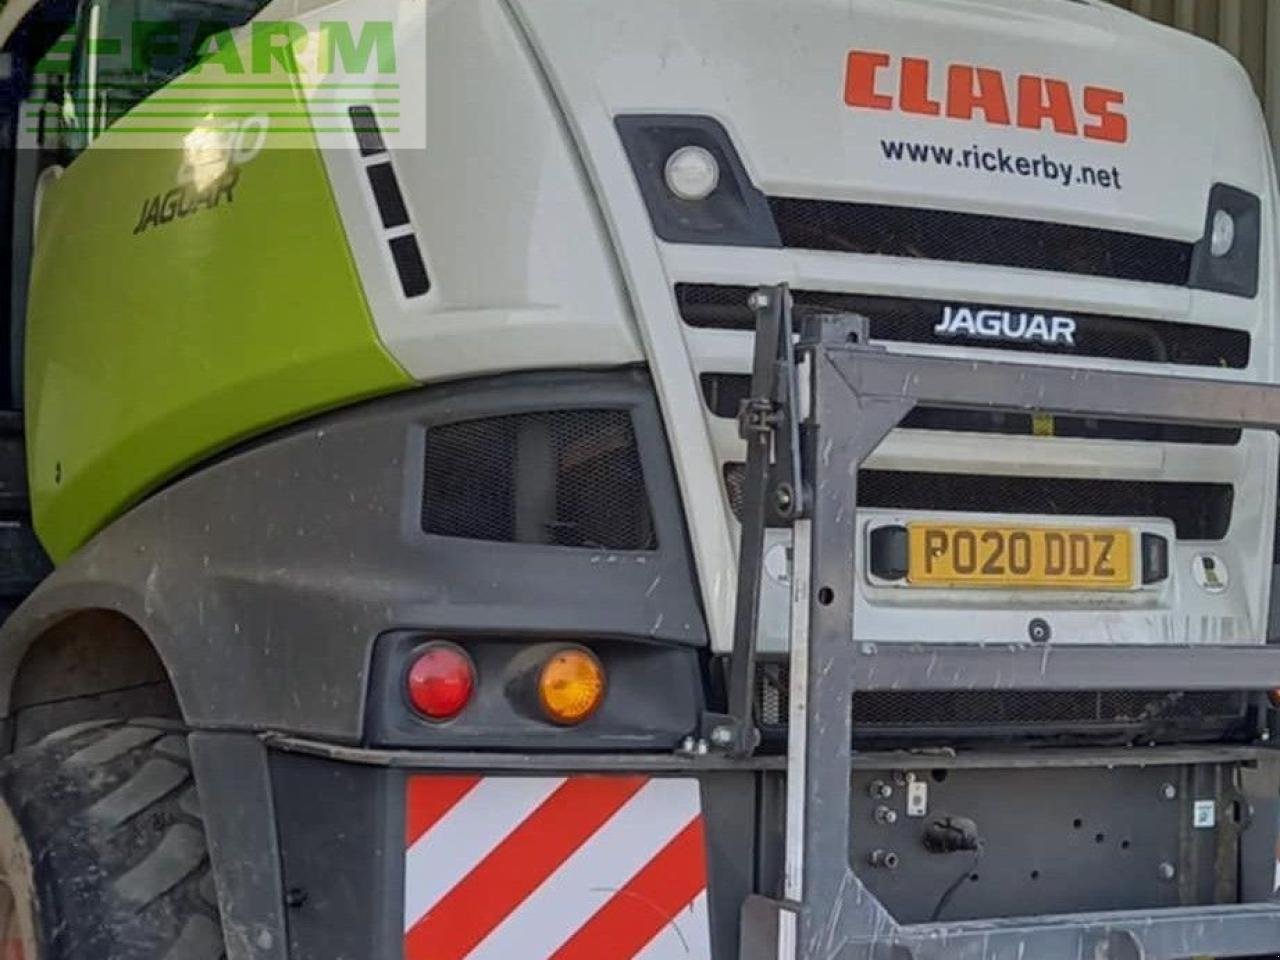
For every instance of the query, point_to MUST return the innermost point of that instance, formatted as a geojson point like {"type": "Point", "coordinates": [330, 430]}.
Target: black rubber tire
{"type": "Point", "coordinates": [110, 815]}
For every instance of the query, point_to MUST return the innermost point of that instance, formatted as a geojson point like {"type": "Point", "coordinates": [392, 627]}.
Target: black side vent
{"type": "Point", "coordinates": [1199, 511]}
{"type": "Point", "coordinates": [406, 254]}
{"type": "Point", "coordinates": [979, 238]}
{"type": "Point", "coordinates": [901, 320]}
{"type": "Point", "coordinates": [569, 478]}
{"type": "Point", "coordinates": [368, 136]}
{"type": "Point", "coordinates": [724, 393]}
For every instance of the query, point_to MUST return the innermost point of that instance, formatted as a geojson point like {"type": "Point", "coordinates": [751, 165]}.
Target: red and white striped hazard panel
{"type": "Point", "coordinates": [555, 868]}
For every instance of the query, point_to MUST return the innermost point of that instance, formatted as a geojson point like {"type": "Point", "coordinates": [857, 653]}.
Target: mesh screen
{"type": "Point", "coordinates": [989, 708]}
{"type": "Point", "coordinates": [977, 238]}
{"type": "Point", "coordinates": [570, 478]}
{"type": "Point", "coordinates": [897, 319]}
{"type": "Point", "coordinates": [724, 393]}
{"type": "Point", "coordinates": [1199, 511]}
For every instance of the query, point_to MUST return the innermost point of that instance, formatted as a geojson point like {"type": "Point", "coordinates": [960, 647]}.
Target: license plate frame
{"type": "Point", "coordinates": [1013, 556]}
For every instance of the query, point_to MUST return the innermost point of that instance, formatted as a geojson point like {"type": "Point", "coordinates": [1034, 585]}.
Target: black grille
{"type": "Point", "coordinates": [569, 478]}
{"type": "Point", "coordinates": [896, 711]}
{"type": "Point", "coordinates": [977, 238]}
{"type": "Point", "coordinates": [724, 392]}
{"type": "Point", "coordinates": [1199, 511]}
{"type": "Point", "coordinates": [903, 320]}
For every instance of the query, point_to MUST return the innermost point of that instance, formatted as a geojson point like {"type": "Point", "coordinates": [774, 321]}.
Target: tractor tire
{"type": "Point", "coordinates": [102, 848]}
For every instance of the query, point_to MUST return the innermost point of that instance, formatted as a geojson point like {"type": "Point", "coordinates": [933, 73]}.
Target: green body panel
{"type": "Point", "coordinates": [152, 345]}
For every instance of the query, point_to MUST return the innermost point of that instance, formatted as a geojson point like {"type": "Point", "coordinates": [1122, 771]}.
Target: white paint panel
{"type": "Point", "coordinates": [447, 853]}
{"type": "Point", "coordinates": [687, 937]}
{"type": "Point", "coordinates": [522, 273]}
{"type": "Point", "coordinates": [588, 879]}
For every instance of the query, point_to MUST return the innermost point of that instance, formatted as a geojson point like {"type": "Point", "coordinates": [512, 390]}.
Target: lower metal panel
{"type": "Point", "coordinates": [1053, 841]}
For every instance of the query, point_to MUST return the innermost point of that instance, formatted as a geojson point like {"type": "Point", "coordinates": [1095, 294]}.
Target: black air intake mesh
{"type": "Point", "coordinates": [977, 238]}
{"type": "Point", "coordinates": [898, 711]}
{"type": "Point", "coordinates": [1199, 511]}
{"type": "Point", "coordinates": [901, 320]}
{"type": "Point", "coordinates": [570, 478]}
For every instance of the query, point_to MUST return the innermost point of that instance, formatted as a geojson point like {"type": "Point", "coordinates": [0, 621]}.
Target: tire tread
{"type": "Point", "coordinates": [154, 780]}
{"type": "Point", "coordinates": [112, 816]}
{"type": "Point", "coordinates": [113, 745]}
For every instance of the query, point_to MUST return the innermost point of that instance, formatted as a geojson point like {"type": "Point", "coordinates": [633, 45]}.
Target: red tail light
{"type": "Point", "coordinates": [441, 681]}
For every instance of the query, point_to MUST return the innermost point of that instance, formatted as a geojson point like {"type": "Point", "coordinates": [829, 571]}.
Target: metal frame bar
{"type": "Point", "coordinates": [691, 764]}
{"type": "Point", "coordinates": [857, 394]}
{"type": "Point", "coordinates": [767, 422]}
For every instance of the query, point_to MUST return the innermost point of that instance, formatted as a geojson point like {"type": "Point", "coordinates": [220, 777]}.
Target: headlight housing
{"type": "Point", "coordinates": [694, 183]}
{"type": "Point", "coordinates": [1226, 258]}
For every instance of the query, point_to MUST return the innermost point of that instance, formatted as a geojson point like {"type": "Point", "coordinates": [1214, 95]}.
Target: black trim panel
{"type": "Point", "coordinates": [981, 239]}
{"type": "Point", "coordinates": [368, 134]}
{"type": "Point", "coordinates": [904, 320]}
{"type": "Point", "coordinates": [410, 266]}
{"type": "Point", "coordinates": [386, 192]}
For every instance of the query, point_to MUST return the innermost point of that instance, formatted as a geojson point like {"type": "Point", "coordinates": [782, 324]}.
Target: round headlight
{"type": "Point", "coordinates": [1223, 236]}
{"type": "Point", "coordinates": [692, 173]}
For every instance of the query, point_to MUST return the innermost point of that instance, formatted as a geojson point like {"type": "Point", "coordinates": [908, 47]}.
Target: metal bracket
{"type": "Point", "coordinates": [835, 329]}
{"type": "Point", "coordinates": [772, 489]}
{"type": "Point", "coordinates": [769, 419]}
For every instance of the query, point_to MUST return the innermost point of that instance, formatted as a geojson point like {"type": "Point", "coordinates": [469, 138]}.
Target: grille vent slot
{"type": "Point", "coordinates": [903, 320]}
{"type": "Point", "coordinates": [1199, 511]}
{"type": "Point", "coordinates": [982, 239]}
{"type": "Point", "coordinates": [897, 712]}
{"type": "Point", "coordinates": [724, 392]}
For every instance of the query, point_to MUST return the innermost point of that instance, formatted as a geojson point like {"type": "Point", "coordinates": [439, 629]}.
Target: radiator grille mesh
{"type": "Point", "coordinates": [569, 478]}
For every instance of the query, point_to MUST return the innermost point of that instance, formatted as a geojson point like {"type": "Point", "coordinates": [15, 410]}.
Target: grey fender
{"type": "Point", "coordinates": [264, 578]}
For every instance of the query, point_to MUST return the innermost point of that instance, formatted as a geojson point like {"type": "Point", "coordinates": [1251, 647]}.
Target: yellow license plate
{"type": "Point", "coordinates": [962, 555]}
